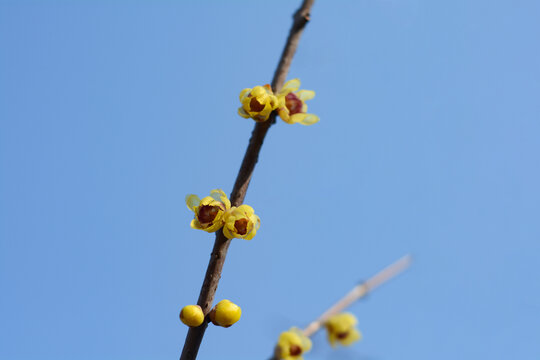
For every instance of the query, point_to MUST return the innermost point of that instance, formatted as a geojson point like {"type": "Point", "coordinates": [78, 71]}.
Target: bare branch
{"type": "Point", "coordinates": [358, 292]}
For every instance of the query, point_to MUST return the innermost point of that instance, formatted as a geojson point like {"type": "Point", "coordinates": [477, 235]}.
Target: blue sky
{"type": "Point", "coordinates": [112, 111]}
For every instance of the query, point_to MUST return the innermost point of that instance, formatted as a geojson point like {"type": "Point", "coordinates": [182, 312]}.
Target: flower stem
{"type": "Point", "coordinates": [217, 258]}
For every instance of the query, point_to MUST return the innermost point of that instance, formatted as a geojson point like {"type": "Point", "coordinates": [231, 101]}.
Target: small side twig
{"type": "Point", "coordinates": [219, 252]}
{"type": "Point", "coordinates": [359, 291]}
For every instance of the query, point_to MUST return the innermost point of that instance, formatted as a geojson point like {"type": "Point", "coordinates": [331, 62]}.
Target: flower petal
{"type": "Point", "coordinates": [218, 194]}
{"type": "Point", "coordinates": [243, 94]}
{"type": "Point", "coordinates": [227, 233]}
{"type": "Point", "coordinates": [243, 113]}
{"type": "Point", "coordinates": [354, 335]}
{"type": "Point", "coordinates": [246, 209]}
{"type": "Point", "coordinates": [310, 119]}
{"type": "Point", "coordinates": [192, 201]}
{"type": "Point", "coordinates": [298, 118]}
{"type": "Point", "coordinates": [305, 94]}
{"type": "Point", "coordinates": [196, 225]}
{"type": "Point", "coordinates": [290, 86]}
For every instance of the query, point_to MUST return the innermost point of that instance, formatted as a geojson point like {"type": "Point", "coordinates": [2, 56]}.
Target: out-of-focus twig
{"type": "Point", "coordinates": [355, 294]}
{"type": "Point", "coordinates": [358, 292]}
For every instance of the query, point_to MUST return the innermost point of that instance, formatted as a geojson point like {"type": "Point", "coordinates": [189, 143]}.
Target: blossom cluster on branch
{"type": "Point", "coordinates": [215, 212]}
{"type": "Point", "coordinates": [290, 103]}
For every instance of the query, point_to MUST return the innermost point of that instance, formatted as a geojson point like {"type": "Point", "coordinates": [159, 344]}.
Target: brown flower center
{"type": "Point", "coordinates": [255, 105]}
{"type": "Point", "coordinates": [207, 213]}
{"type": "Point", "coordinates": [295, 350]}
{"type": "Point", "coordinates": [342, 335]}
{"type": "Point", "coordinates": [241, 226]}
{"type": "Point", "coordinates": [293, 103]}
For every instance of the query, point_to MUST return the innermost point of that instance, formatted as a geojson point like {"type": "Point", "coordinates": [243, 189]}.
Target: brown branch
{"type": "Point", "coordinates": [217, 258]}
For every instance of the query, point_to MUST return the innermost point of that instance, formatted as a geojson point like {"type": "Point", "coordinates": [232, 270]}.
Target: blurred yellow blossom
{"type": "Point", "coordinates": [209, 211]}
{"type": "Point", "coordinates": [292, 104]}
{"type": "Point", "coordinates": [341, 328]}
{"type": "Point", "coordinates": [292, 344]}
{"type": "Point", "coordinates": [225, 313]}
{"type": "Point", "coordinates": [241, 222]}
{"type": "Point", "coordinates": [257, 103]}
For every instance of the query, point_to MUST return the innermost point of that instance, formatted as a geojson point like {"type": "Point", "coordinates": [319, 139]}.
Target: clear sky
{"type": "Point", "coordinates": [112, 111]}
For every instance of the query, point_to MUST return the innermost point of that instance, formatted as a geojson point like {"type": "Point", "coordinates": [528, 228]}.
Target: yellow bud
{"type": "Point", "coordinates": [225, 313]}
{"type": "Point", "coordinates": [192, 315]}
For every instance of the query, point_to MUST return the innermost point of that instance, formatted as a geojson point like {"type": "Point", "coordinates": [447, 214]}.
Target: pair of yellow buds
{"type": "Point", "coordinates": [340, 329]}
{"type": "Point", "coordinates": [215, 212]}
{"type": "Point", "coordinates": [225, 314]}
{"type": "Point", "coordinates": [290, 103]}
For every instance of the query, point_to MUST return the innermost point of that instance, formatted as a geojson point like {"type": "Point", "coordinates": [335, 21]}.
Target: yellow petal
{"type": "Point", "coordinates": [192, 201]}
{"type": "Point", "coordinates": [274, 102]}
{"type": "Point", "coordinates": [216, 225]}
{"type": "Point", "coordinates": [195, 224]}
{"type": "Point", "coordinates": [256, 221]}
{"type": "Point", "coordinates": [218, 195]}
{"type": "Point", "coordinates": [243, 94]}
{"type": "Point", "coordinates": [246, 209]}
{"type": "Point", "coordinates": [310, 119]}
{"type": "Point", "coordinates": [290, 86]}
{"type": "Point", "coordinates": [207, 200]}
{"type": "Point", "coordinates": [259, 91]}
{"type": "Point", "coordinates": [296, 118]}
{"type": "Point", "coordinates": [354, 335]}
{"type": "Point", "coordinates": [305, 94]}
{"type": "Point", "coordinates": [227, 233]}
{"type": "Point", "coordinates": [243, 113]}
{"type": "Point", "coordinates": [283, 113]}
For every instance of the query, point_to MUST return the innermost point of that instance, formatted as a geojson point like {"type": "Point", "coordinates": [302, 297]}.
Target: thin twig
{"type": "Point", "coordinates": [358, 292]}
{"type": "Point", "coordinates": [219, 252]}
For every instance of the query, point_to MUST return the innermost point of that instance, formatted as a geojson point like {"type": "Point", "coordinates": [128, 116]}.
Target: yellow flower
{"type": "Point", "coordinates": [192, 315]}
{"type": "Point", "coordinates": [292, 104]}
{"type": "Point", "coordinates": [209, 211]}
{"type": "Point", "coordinates": [341, 328]}
{"type": "Point", "coordinates": [225, 313]}
{"type": "Point", "coordinates": [241, 222]}
{"type": "Point", "coordinates": [257, 103]}
{"type": "Point", "coordinates": [292, 344]}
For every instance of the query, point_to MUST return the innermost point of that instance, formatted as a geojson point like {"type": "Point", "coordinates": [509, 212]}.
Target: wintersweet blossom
{"type": "Point", "coordinates": [241, 222]}
{"type": "Point", "coordinates": [192, 315]}
{"type": "Point", "coordinates": [292, 104]}
{"type": "Point", "coordinates": [209, 211]}
{"type": "Point", "coordinates": [225, 313]}
{"type": "Point", "coordinates": [292, 344]}
{"type": "Point", "coordinates": [341, 328]}
{"type": "Point", "coordinates": [257, 103]}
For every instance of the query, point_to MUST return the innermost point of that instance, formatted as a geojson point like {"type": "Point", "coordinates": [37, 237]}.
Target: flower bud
{"type": "Point", "coordinates": [225, 313]}
{"type": "Point", "coordinates": [257, 103]}
{"type": "Point", "coordinates": [208, 211]}
{"type": "Point", "coordinates": [292, 106]}
{"type": "Point", "coordinates": [241, 222]}
{"type": "Point", "coordinates": [192, 315]}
